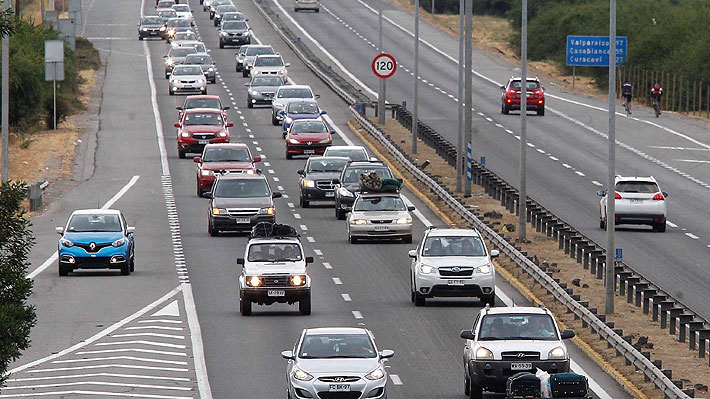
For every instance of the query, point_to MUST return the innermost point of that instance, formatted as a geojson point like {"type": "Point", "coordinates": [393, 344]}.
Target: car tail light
{"type": "Point", "coordinates": [509, 100]}
{"type": "Point", "coordinates": [617, 196]}
{"type": "Point", "coordinates": [539, 102]}
{"type": "Point", "coordinates": [659, 197]}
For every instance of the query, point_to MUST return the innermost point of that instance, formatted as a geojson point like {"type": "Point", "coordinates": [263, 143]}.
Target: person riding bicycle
{"type": "Point", "coordinates": [627, 93]}
{"type": "Point", "coordinates": [657, 94]}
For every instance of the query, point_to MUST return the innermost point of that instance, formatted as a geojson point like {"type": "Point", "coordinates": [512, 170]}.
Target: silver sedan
{"type": "Point", "coordinates": [379, 216]}
{"type": "Point", "coordinates": [336, 361]}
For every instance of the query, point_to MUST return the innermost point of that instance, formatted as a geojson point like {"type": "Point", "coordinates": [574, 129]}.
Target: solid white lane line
{"type": "Point", "coordinates": [141, 342]}
{"type": "Point", "coordinates": [155, 328]}
{"type": "Point", "coordinates": [155, 352]}
{"type": "Point", "coordinates": [95, 393]}
{"type": "Point", "coordinates": [146, 377]}
{"type": "Point", "coordinates": [340, 133]}
{"type": "Point", "coordinates": [148, 335]}
{"type": "Point", "coordinates": [161, 321]}
{"type": "Point", "coordinates": [108, 366]}
{"type": "Point", "coordinates": [110, 384]}
{"type": "Point", "coordinates": [133, 358]}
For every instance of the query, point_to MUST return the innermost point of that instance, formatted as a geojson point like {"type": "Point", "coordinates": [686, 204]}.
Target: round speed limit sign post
{"type": "Point", "coordinates": [384, 66]}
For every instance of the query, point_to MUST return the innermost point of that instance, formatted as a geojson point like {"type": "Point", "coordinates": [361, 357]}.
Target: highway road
{"type": "Point", "coordinates": [567, 157]}
{"type": "Point", "coordinates": [172, 329]}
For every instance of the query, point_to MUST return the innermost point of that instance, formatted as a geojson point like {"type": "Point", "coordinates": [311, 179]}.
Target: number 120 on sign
{"type": "Point", "coordinates": [384, 66]}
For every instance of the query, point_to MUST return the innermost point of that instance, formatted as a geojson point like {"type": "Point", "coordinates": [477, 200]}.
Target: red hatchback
{"type": "Point", "coordinates": [222, 158]}
{"type": "Point", "coordinates": [199, 127]}
{"type": "Point", "coordinates": [307, 137]}
{"type": "Point", "coordinates": [510, 99]}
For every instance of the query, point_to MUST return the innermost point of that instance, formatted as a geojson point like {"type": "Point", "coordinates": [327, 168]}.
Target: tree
{"type": "Point", "coordinates": [16, 240]}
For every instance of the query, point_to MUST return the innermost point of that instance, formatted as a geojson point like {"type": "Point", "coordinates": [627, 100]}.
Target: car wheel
{"type": "Point", "coordinates": [340, 214]}
{"type": "Point", "coordinates": [407, 239]}
{"type": "Point", "coordinates": [212, 230]}
{"type": "Point", "coordinates": [199, 191]}
{"type": "Point", "coordinates": [541, 111]}
{"type": "Point", "coordinates": [245, 73]}
{"type": "Point", "coordinates": [215, 22]}
{"type": "Point", "coordinates": [412, 295]}
{"type": "Point", "coordinates": [505, 109]}
{"type": "Point", "coordinates": [295, 10]}
{"type": "Point", "coordinates": [353, 240]}
{"type": "Point", "coordinates": [489, 299]}
{"type": "Point", "coordinates": [133, 264]}
{"type": "Point", "coordinates": [602, 224]}
{"type": "Point", "coordinates": [318, 10]}
{"type": "Point", "coordinates": [659, 227]}
{"type": "Point", "coordinates": [475, 392]}
{"type": "Point", "coordinates": [245, 307]}
{"type": "Point", "coordinates": [304, 305]}
{"type": "Point", "coordinates": [204, 91]}
{"type": "Point", "coordinates": [249, 104]}
{"type": "Point", "coordinates": [140, 37]}
{"type": "Point", "coordinates": [126, 269]}
{"type": "Point", "coordinates": [214, 80]}
{"type": "Point", "coordinates": [221, 44]}
{"type": "Point", "coordinates": [288, 156]}
{"type": "Point", "coordinates": [64, 271]}
{"type": "Point", "coordinates": [170, 92]}
{"type": "Point", "coordinates": [167, 76]}
{"type": "Point", "coordinates": [237, 67]}
{"type": "Point", "coordinates": [466, 385]}
{"type": "Point", "coordinates": [274, 121]}
{"type": "Point", "coordinates": [181, 154]}
{"type": "Point", "coordinates": [419, 299]}
{"type": "Point", "coordinates": [304, 202]}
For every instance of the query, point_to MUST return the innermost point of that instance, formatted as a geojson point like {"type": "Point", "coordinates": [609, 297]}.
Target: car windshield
{"type": "Point", "coordinates": [234, 25]}
{"type": "Point", "coordinates": [184, 36]}
{"type": "Point", "coordinates": [308, 127]}
{"type": "Point", "coordinates": [167, 13]}
{"type": "Point", "coordinates": [96, 222]}
{"type": "Point", "coordinates": [225, 8]}
{"type": "Point", "coordinates": [187, 70]}
{"type": "Point", "coordinates": [518, 326]}
{"type": "Point", "coordinates": [295, 93]}
{"type": "Point", "coordinates": [209, 103]}
{"type": "Point", "coordinates": [303, 108]}
{"type": "Point", "coordinates": [165, 4]}
{"type": "Point", "coordinates": [324, 346]}
{"type": "Point", "coordinates": [226, 155]}
{"type": "Point", "coordinates": [217, 3]}
{"type": "Point", "coordinates": [242, 188]}
{"type": "Point", "coordinates": [355, 154]}
{"type": "Point", "coordinates": [152, 21]}
{"type": "Point", "coordinates": [453, 246]}
{"type": "Point", "coordinates": [383, 204]}
{"type": "Point", "coordinates": [352, 175]}
{"type": "Point", "coordinates": [532, 85]}
{"type": "Point", "coordinates": [178, 23]}
{"type": "Point", "coordinates": [253, 51]}
{"type": "Point", "coordinates": [637, 187]}
{"type": "Point", "coordinates": [266, 81]}
{"type": "Point", "coordinates": [203, 118]}
{"type": "Point", "coordinates": [198, 60]}
{"type": "Point", "coordinates": [269, 61]}
{"type": "Point", "coordinates": [196, 47]}
{"type": "Point", "coordinates": [181, 8]}
{"type": "Point", "coordinates": [181, 51]}
{"type": "Point", "coordinates": [233, 16]}
{"type": "Point", "coordinates": [274, 252]}
{"type": "Point", "coordinates": [325, 165]}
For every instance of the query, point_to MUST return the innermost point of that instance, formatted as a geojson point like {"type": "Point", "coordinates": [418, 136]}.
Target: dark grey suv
{"type": "Point", "coordinates": [316, 181]}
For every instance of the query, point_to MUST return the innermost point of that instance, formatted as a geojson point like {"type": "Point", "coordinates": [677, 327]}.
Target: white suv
{"type": "Point", "coordinates": [639, 200]}
{"type": "Point", "coordinates": [505, 341]}
{"type": "Point", "coordinates": [452, 262]}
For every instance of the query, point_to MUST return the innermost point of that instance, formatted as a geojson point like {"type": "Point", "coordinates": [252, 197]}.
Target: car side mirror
{"type": "Point", "coordinates": [178, 108]}
{"type": "Point", "coordinates": [411, 208]}
{"type": "Point", "coordinates": [176, 124]}
{"type": "Point", "coordinates": [256, 159]}
{"type": "Point", "coordinates": [494, 253]}
{"type": "Point", "coordinates": [282, 112]}
{"type": "Point", "coordinates": [323, 112]}
{"type": "Point", "coordinates": [316, 96]}
{"type": "Point", "coordinates": [130, 230]}
{"type": "Point", "coordinates": [502, 87]}
{"type": "Point", "coordinates": [59, 230]}
{"type": "Point", "coordinates": [348, 209]}
{"type": "Point", "coordinates": [601, 193]}
{"type": "Point", "coordinates": [247, 84]}
{"type": "Point", "coordinates": [412, 253]}
{"type": "Point", "coordinates": [301, 172]}
{"type": "Point", "coordinates": [240, 261]}
{"type": "Point", "coordinates": [386, 353]}
{"type": "Point", "coordinates": [467, 334]}
{"type": "Point", "coordinates": [230, 124]}
{"type": "Point", "coordinates": [288, 64]}
{"type": "Point", "coordinates": [309, 260]}
{"type": "Point", "coordinates": [207, 194]}
{"type": "Point", "coordinates": [336, 181]}
{"type": "Point", "coordinates": [247, 19]}
{"type": "Point", "coordinates": [665, 194]}
{"type": "Point", "coordinates": [276, 194]}
{"type": "Point", "coordinates": [196, 159]}
{"type": "Point", "coordinates": [225, 108]}
{"type": "Point", "coordinates": [288, 355]}
{"type": "Point", "coordinates": [567, 334]}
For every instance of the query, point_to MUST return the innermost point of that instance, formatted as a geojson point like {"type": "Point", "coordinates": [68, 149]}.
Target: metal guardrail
{"type": "Point", "coordinates": [639, 290]}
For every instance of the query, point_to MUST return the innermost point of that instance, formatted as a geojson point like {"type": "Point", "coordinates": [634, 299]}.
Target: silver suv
{"type": "Point", "coordinates": [274, 270]}
{"type": "Point", "coordinates": [505, 341]}
{"type": "Point", "coordinates": [639, 200]}
{"type": "Point", "coordinates": [451, 262]}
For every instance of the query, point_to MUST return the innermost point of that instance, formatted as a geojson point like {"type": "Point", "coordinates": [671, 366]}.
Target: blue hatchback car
{"type": "Point", "coordinates": [305, 109]}
{"type": "Point", "coordinates": [96, 239]}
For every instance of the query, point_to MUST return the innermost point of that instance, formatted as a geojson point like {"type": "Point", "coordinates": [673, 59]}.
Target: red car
{"type": "Point", "coordinates": [199, 127]}
{"type": "Point", "coordinates": [307, 137]}
{"type": "Point", "coordinates": [510, 99]}
{"type": "Point", "coordinates": [202, 101]}
{"type": "Point", "coordinates": [222, 158]}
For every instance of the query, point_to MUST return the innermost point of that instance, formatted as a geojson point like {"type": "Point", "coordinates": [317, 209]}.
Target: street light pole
{"type": "Point", "coordinates": [415, 108]}
{"type": "Point", "coordinates": [5, 118]}
{"type": "Point", "coordinates": [468, 77]}
{"type": "Point", "coordinates": [461, 146]}
{"type": "Point", "coordinates": [610, 280]}
{"type": "Point", "coordinates": [382, 93]}
{"type": "Point", "coordinates": [522, 198]}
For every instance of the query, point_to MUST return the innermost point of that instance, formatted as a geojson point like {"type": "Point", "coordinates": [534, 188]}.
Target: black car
{"type": "Point", "coordinates": [221, 10]}
{"type": "Point", "coordinates": [348, 184]}
{"type": "Point", "coordinates": [316, 181]}
{"type": "Point", "coordinates": [261, 90]}
{"type": "Point", "coordinates": [151, 26]}
{"type": "Point", "coordinates": [234, 33]}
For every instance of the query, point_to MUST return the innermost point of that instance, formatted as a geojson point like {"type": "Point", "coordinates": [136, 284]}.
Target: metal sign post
{"type": "Point", "coordinates": [382, 92]}
{"type": "Point", "coordinates": [522, 162]}
{"type": "Point", "coordinates": [54, 68]}
{"type": "Point", "coordinates": [610, 280]}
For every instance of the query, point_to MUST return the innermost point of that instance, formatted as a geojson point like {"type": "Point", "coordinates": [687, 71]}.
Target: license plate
{"type": "Point", "coordinates": [204, 142]}
{"type": "Point", "coordinates": [276, 293]}
{"type": "Point", "coordinates": [455, 282]}
{"type": "Point", "coordinates": [637, 201]}
{"type": "Point", "coordinates": [153, 33]}
{"type": "Point", "coordinates": [330, 194]}
{"type": "Point", "coordinates": [381, 228]}
{"type": "Point", "coordinates": [521, 366]}
{"type": "Point", "coordinates": [243, 220]}
{"type": "Point", "coordinates": [309, 151]}
{"type": "Point", "coordinates": [339, 387]}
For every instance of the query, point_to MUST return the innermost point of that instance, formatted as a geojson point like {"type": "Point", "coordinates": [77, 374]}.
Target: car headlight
{"type": "Point", "coordinates": [223, 33]}
{"type": "Point", "coordinates": [162, 28]}
{"type": "Point", "coordinates": [278, 105]}
{"type": "Point", "coordinates": [345, 192]}
{"type": "Point", "coordinates": [325, 140]}
{"type": "Point", "coordinates": [309, 183]}
{"type": "Point", "coordinates": [426, 269]}
{"type": "Point", "coordinates": [483, 353]}
{"type": "Point", "coordinates": [219, 211]}
{"type": "Point", "coordinates": [245, 33]}
{"type": "Point", "coordinates": [282, 72]}
{"type": "Point", "coordinates": [301, 375]}
{"type": "Point", "coordinates": [253, 92]}
{"type": "Point", "coordinates": [66, 242]}
{"type": "Point", "coordinates": [119, 242]}
{"type": "Point", "coordinates": [269, 210]}
{"type": "Point", "coordinates": [557, 354]}
{"type": "Point", "coordinates": [145, 29]}
{"type": "Point", "coordinates": [217, 16]}
{"type": "Point", "coordinates": [207, 173]}
{"type": "Point", "coordinates": [288, 119]}
{"type": "Point", "coordinates": [293, 141]}
{"type": "Point", "coordinates": [223, 133]}
{"type": "Point", "coordinates": [358, 221]}
{"type": "Point", "coordinates": [253, 281]}
{"type": "Point", "coordinates": [184, 134]}
{"type": "Point", "coordinates": [298, 280]}
{"type": "Point", "coordinates": [404, 220]}
{"type": "Point", "coordinates": [210, 69]}
{"type": "Point", "coordinates": [169, 61]}
{"type": "Point", "coordinates": [376, 374]}
{"type": "Point", "coordinates": [485, 269]}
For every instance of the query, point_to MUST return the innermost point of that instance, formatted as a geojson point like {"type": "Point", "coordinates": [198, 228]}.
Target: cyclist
{"type": "Point", "coordinates": [627, 93]}
{"type": "Point", "coordinates": [656, 94]}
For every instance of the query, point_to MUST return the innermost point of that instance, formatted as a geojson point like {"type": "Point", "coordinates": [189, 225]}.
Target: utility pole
{"type": "Point", "coordinates": [382, 93]}
{"type": "Point", "coordinates": [5, 119]}
{"type": "Point", "coordinates": [432, 6]}
{"type": "Point", "coordinates": [415, 109]}
{"type": "Point", "coordinates": [461, 146]}
{"type": "Point", "coordinates": [610, 280]}
{"type": "Point", "coordinates": [468, 114]}
{"type": "Point", "coordinates": [522, 198]}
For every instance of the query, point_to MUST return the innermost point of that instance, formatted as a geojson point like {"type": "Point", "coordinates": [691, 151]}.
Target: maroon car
{"type": "Point", "coordinates": [307, 137]}
{"type": "Point", "coordinates": [199, 127]}
{"type": "Point", "coordinates": [222, 158]}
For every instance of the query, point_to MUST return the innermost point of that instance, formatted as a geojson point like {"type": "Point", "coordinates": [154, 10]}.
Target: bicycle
{"type": "Point", "coordinates": [656, 107]}
{"type": "Point", "coordinates": [626, 104]}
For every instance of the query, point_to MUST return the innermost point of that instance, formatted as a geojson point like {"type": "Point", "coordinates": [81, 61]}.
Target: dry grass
{"type": "Point", "coordinates": [675, 356]}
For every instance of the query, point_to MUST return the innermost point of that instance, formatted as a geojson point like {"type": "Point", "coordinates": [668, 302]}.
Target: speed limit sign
{"type": "Point", "coordinates": [384, 66]}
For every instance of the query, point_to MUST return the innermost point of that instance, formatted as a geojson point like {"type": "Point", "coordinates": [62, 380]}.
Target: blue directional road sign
{"type": "Point", "coordinates": [594, 50]}
{"type": "Point", "coordinates": [618, 254]}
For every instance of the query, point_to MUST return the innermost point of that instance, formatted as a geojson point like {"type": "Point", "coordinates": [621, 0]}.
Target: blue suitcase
{"type": "Point", "coordinates": [568, 385]}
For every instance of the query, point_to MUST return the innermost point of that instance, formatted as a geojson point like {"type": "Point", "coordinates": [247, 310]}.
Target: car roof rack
{"type": "Point", "coordinates": [375, 161]}
{"type": "Point", "coordinates": [273, 230]}
{"type": "Point", "coordinates": [450, 226]}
